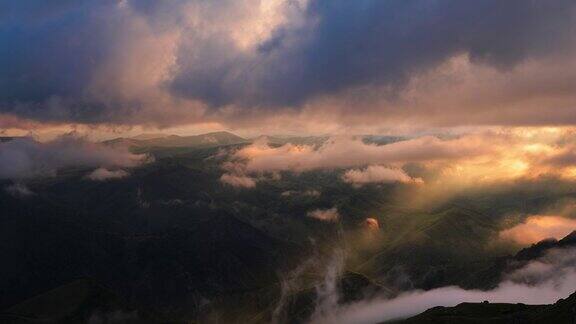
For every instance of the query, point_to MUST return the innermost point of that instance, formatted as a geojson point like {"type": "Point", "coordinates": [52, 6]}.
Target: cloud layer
{"type": "Point", "coordinates": [539, 227]}
{"type": "Point", "coordinates": [25, 157]}
{"type": "Point", "coordinates": [441, 166]}
{"type": "Point", "coordinates": [344, 152]}
{"type": "Point", "coordinates": [242, 62]}
{"type": "Point", "coordinates": [543, 281]}
{"type": "Point", "coordinates": [377, 174]}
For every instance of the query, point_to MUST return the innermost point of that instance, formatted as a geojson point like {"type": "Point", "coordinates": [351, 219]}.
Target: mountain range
{"type": "Point", "coordinates": [172, 243]}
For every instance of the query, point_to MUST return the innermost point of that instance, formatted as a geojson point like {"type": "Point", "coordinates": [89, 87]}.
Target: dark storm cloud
{"type": "Point", "coordinates": [387, 41]}
{"type": "Point", "coordinates": [371, 42]}
{"type": "Point", "coordinates": [49, 53]}
{"type": "Point", "coordinates": [53, 53]}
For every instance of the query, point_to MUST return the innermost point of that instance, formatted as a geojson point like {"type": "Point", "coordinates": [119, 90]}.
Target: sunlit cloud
{"type": "Point", "coordinates": [378, 174]}
{"type": "Point", "coordinates": [326, 215]}
{"type": "Point", "coordinates": [485, 157]}
{"type": "Point", "coordinates": [539, 227]}
{"type": "Point", "coordinates": [344, 152]}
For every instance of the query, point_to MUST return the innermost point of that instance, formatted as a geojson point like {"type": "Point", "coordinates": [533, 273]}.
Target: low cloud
{"type": "Point", "coordinates": [237, 176]}
{"type": "Point", "coordinates": [554, 266]}
{"type": "Point", "coordinates": [543, 281]}
{"type": "Point", "coordinates": [378, 174]}
{"type": "Point", "coordinates": [19, 190]}
{"type": "Point", "coordinates": [24, 157]}
{"type": "Point", "coordinates": [416, 302]}
{"type": "Point", "coordinates": [327, 215]}
{"type": "Point", "coordinates": [447, 164]}
{"type": "Point", "coordinates": [239, 181]}
{"type": "Point", "coordinates": [345, 152]}
{"type": "Point", "coordinates": [539, 227]}
{"type": "Point", "coordinates": [102, 174]}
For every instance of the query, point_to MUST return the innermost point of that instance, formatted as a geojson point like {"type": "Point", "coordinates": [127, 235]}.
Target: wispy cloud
{"type": "Point", "coordinates": [378, 174]}
{"type": "Point", "coordinates": [25, 157]}
{"type": "Point", "coordinates": [19, 190]}
{"type": "Point", "coordinates": [240, 181]}
{"type": "Point", "coordinates": [543, 281]}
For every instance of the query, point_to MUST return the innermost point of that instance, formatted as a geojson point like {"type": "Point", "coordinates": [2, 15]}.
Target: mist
{"type": "Point", "coordinates": [25, 157]}
{"type": "Point", "coordinates": [542, 281]}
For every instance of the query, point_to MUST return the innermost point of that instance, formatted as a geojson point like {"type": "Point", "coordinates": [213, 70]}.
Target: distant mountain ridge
{"type": "Point", "coordinates": [148, 136]}
{"type": "Point", "coordinates": [203, 140]}
{"type": "Point", "coordinates": [158, 140]}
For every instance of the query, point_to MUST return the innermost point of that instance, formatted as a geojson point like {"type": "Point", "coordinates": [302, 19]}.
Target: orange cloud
{"type": "Point", "coordinates": [447, 164]}
{"type": "Point", "coordinates": [539, 227]}
{"type": "Point", "coordinates": [345, 152]}
{"type": "Point", "coordinates": [378, 174]}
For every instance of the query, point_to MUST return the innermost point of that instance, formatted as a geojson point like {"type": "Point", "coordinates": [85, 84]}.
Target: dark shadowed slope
{"type": "Point", "coordinates": [562, 312]}
{"type": "Point", "coordinates": [81, 301]}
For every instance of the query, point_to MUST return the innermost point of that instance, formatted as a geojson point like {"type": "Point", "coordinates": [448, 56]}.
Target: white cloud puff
{"type": "Point", "coordinates": [327, 215]}
{"type": "Point", "coordinates": [239, 181]}
{"type": "Point", "coordinates": [378, 174]}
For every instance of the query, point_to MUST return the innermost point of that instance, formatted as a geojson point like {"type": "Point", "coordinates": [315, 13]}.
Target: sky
{"type": "Point", "coordinates": [285, 66]}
